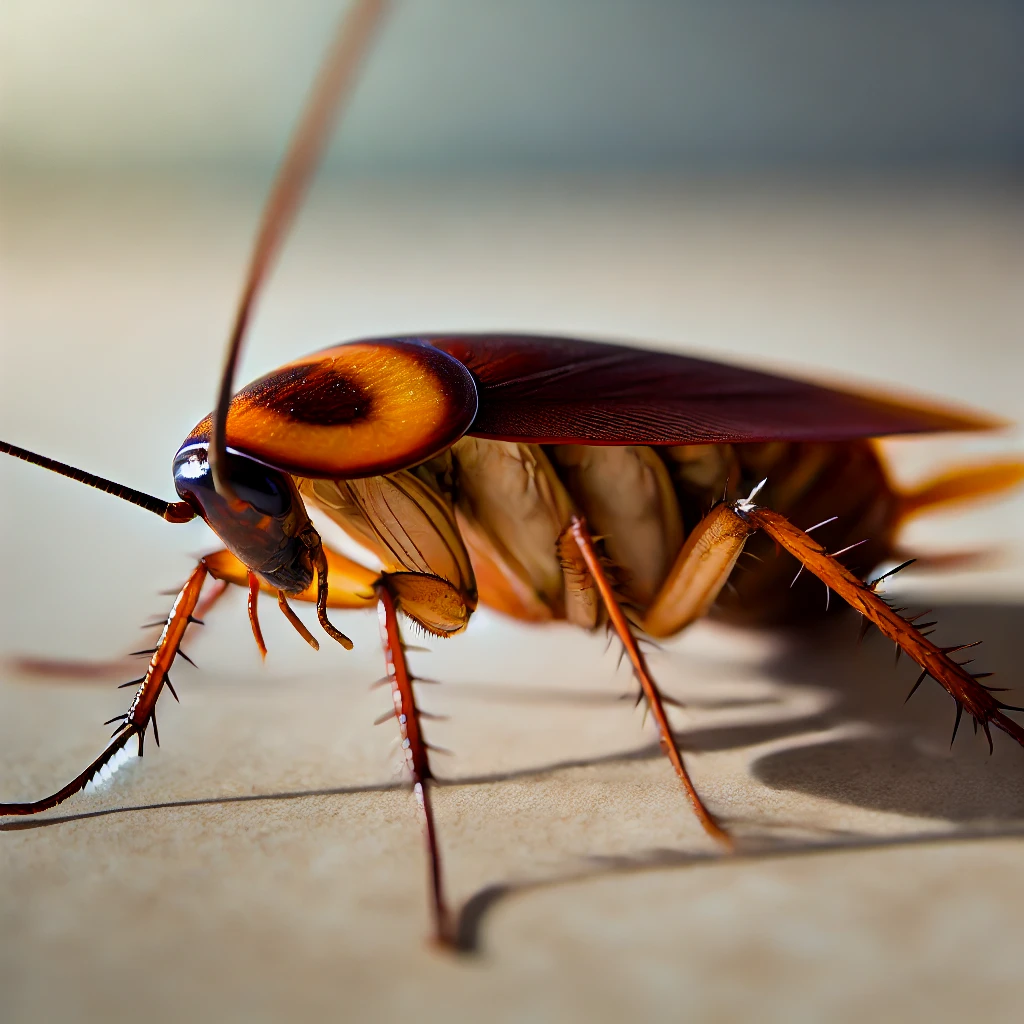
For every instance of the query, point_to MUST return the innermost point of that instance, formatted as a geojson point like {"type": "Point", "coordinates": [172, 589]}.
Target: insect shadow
{"type": "Point", "coordinates": [897, 759]}
{"type": "Point", "coordinates": [903, 761]}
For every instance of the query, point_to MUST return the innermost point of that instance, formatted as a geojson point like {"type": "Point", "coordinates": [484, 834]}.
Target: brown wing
{"type": "Point", "coordinates": [551, 390]}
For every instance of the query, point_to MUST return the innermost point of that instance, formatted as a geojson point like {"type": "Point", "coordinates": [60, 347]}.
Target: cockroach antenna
{"type": "Point", "coordinates": [172, 511]}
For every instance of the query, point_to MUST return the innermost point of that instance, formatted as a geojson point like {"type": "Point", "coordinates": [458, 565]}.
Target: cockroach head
{"type": "Point", "coordinates": [265, 524]}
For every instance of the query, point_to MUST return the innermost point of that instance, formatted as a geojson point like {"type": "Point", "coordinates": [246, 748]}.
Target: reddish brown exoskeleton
{"type": "Point", "coordinates": [548, 478]}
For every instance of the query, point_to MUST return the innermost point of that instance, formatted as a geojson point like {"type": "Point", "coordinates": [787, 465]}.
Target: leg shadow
{"type": "Point", "coordinates": [906, 762]}
{"type": "Point", "coordinates": [902, 764]}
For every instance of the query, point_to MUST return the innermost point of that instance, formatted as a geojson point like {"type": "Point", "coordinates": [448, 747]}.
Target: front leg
{"type": "Point", "coordinates": [414, 746]}
{"type": "Point", "coordinates": [134, 723]}
{"type": "Point", "coordinates": [435, 605]}
{"type": "Point", "coordinates": [351, 586]}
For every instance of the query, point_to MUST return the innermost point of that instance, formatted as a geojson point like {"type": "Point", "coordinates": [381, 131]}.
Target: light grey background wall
{"type": "Point", "coordinates": [482, 85]}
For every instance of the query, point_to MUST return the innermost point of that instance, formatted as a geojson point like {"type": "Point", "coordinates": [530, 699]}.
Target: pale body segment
{"type": "Point", "coordinates": [490, 519]}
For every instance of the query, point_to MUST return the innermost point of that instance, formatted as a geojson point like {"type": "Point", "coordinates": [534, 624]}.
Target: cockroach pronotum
{"type": "Point", "coordinates": [547, 478]}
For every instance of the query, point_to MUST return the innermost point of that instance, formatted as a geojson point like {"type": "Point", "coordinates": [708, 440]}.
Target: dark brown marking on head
{"type": "Point", "coordinates": [314, 393]}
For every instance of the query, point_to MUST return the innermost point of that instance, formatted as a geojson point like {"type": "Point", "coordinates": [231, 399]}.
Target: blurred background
{"type": "Point", "coordinates": [833, 188]}
{"type": "Point", "coordinates": [479, 86]}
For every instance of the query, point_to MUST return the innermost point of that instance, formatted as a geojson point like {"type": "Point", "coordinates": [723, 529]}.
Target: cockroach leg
{"type": "Point", "coordinates": [142, 711]}
{"type": "Point", "coordinates": [699, 573]}
{"type": "Point", "coordinates": [969, 694]}
{"type": "Point", "coordinates": [414, 747]}
{"type": "Point", "coordinates": [254, 618]}
{"type": "Point", "coordinates": [655, 703]}
{"type": "Point", "coordinates": [300, 626]}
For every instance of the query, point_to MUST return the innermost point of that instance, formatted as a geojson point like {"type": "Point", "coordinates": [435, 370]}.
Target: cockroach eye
{"type": "Point", "coordinates": [262, 487]}
{"type": "Point", "coordinates": [270, 532]}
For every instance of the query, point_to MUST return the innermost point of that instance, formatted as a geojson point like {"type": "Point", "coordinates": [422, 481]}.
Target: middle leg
{"type": "Point", "coordinates": [414, 746]}
{"type": "Point", "coordinates": [441, 610]}
{"type": "Point", "coordinates": [655, 702]}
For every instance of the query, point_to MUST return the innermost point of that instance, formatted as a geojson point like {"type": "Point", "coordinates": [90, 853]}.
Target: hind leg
{"type": "Point", "coordinates": [702, 569]}
{"type": "Point", "coordinates": [709, 565]}
{"type": "Point", "coordinates": [969, 694]}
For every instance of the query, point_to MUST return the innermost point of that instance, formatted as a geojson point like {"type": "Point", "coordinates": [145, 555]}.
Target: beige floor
{"type": "Point", "coordinates": [265, 863]}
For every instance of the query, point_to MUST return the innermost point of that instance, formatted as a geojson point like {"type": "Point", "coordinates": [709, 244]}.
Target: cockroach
{"type": "Point", "coordinates": [548, 478]}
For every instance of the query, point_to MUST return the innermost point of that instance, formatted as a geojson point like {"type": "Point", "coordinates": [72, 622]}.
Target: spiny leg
{"type": "Point", "coordinates": [142, 711]}
{"type": "Point", "coordinates": [654, 699]}
{"type": "Point", "coordinates": [349, 589]}
{"type": "Point", "coordinates": [414, 747]}
{"type": "Point", "coordinates": [431, 601]}
{"type": "Point", "coordinates": [970, 695]}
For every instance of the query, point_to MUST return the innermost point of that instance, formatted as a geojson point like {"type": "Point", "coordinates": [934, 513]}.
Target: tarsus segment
{"type": "Point", "coordinates": [969, 694]}
{"type": "Point", "coordinates": [142, 710]}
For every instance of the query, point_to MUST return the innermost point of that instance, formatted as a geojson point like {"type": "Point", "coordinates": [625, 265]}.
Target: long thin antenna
{"type": "Point", "coordinates": [334, 85]}
{"type": "Point", "coordinates": [172, 511]}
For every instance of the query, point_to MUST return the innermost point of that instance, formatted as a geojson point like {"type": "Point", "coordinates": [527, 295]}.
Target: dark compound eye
{"type": "Point", "coordinates": [267, 531]}
{"type": "Point", "coordinates": [264, 488]}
